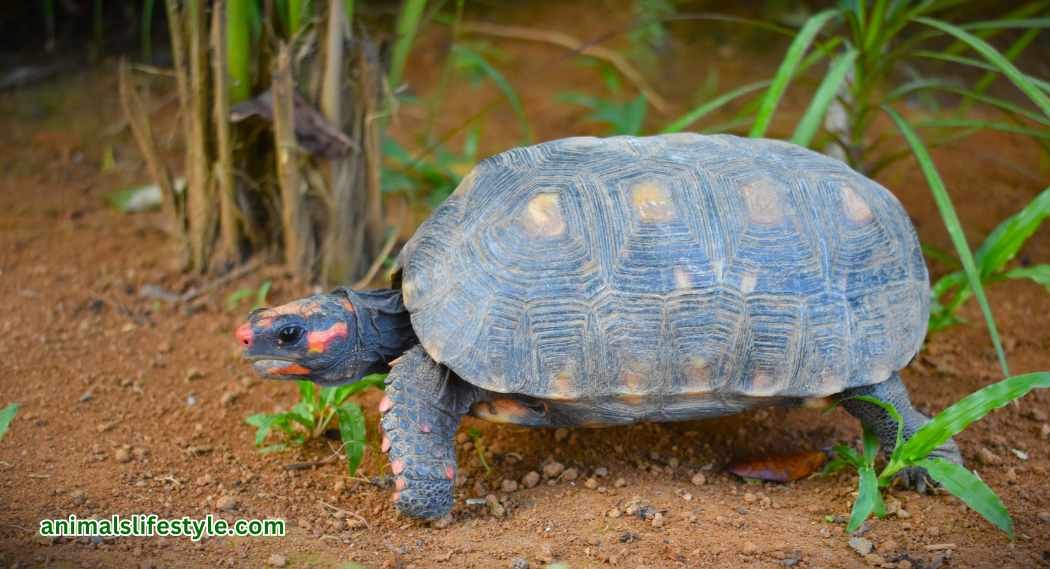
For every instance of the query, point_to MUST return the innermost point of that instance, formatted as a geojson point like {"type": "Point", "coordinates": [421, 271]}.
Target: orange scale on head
{"type": "Point", "coordinates": [320, 339]}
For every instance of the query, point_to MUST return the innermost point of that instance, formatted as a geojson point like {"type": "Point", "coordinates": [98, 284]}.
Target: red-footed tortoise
{"type": "Point", "coordinates": [591, 281]}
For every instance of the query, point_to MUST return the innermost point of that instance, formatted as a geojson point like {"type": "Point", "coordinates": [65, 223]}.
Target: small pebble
{"type": "Point", "coordinates": [531, 479]}
{"type": "Point", "coordinates": [904, 564]}
{"type": "Point", "coordinates": [227, 503]}
{"type": "Point", "coordinates": [1011, 475]}
{"type": "Point", "coordinates": [519, 563]}
{"type": "Point", "coordinates": [862, 546]}
{"type": "Point", "coordinates": [658, 520]}
{"type": "Point", "coordinates": [1044, 430]}
{"type": "Point", "coordinates": [123, 455]}
{"type": "Point", "coordinates": [570, 474]}
{"type": "Point", "coordinates": [508, 485]}
{"type": "Point", "coordinates": [277, 560]}
{"type": "Point", "coordinates": [194, 374]}
{"type": "Point", "coordinates": [749, 548]}
{"type": "Point", "coordinates": [614, 513]}
{"type": "Point", "coordinates": [442, 523]}
{"type": "Point", "coordinates": [1044, 517]}
{"type": "Point", "coordinates": [987, 457]}
{"type": "Point", "coordinates": [1036, 414]}
{"type": "Point", "coordinates": [620, 483]}
{"type": "Point", "coordinates": [553, 469]}
{"type": "Point", "coordinates": [601, 472]}
{"type": "Point", "coordinates": [561, 434]}
{"type": "Point", "coordinates": [591, 483]}
{"type": "Point", "coordinates": [749, 497]}
{"type": "Point", "coordinates": [699, 479]}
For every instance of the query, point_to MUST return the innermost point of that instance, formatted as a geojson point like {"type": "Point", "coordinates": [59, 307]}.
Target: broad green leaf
{"type": "Point", "coordinates": [786, 71]}
{"type": "Point", "coordinates": [307, 392]}
{"type": "Point", "coordinates": [849, 455]}
{"type": "Point", "coordinates": [954, 226]}
{"type": "Point", "coordinates": [1003, 243]}
{"type": "Point", "coordinates": [352, 432]}
{"type": "Point", "coordinates": [709, 107]}
{"type": "Point", "coordinates": [6, 416]}
{"type": "Point", "coordinates": [1037, 273]}
{"type": "Point", "coordinates": [952, 420]}
{"type": "Point", "coordinates": [818, 107]}
{"type": "Point", "coordinates": [262, 422]}
{"type": "Point", "coordinates": [471, 59]}
{"type": "Point", "coordinates": [302, 413]}
{"type": "Point", "coordinates": [871, 447]}
{"type": "Point", "coordinates": [1022, 81]}
{"type": "Point", "coordinates": [972, 490]}
{"type": "Point", "coordinates": [868, 501]}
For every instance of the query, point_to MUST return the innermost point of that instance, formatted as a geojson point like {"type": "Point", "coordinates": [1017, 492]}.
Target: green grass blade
{"type": "Point", "coordinates": [407, 25]}
{"type": "Point", "coordinates": [784, 74]}
{"type": "Point", "coordinates": [818, 107]}
{"type": "Point", "coordinates": [962, 413]}
{"type": "Point", "coordinates": [147, 31]}
{"type": "Point", "coordinates": [954, 226]}
{"type": "Point", "coordinates": [868, 501]}
{"type": "Point", "coordinates": [970, 94]}
{"type": "Point", "coordinates": [1038, 273]}
{"type": "Point", "coordinates": [708, 107]}
{"type": "Point", "coordinates": [847, 454]}
{"type": "Point", "coordinates": [972, 490]}
{"type": "Point", "coordinates": [1022, 81]}
{"type": "Point", "coordinates": [985, 125]}
{"type": "Point", "coordinates": [307, 392]}
{"type": "Point", "coordinates": [474, 59]}
{"type": "Point", "coordinates": [6, 416]}
{"type": "Point", "coordinates": [1041, 23]}
{"type": "Point", "coordinates": [1003, 243]}
{"type": "Point", "coordinates": [352, 432]}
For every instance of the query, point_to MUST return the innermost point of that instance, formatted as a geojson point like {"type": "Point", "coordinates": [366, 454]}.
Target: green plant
{"type": "Point", "coordinates": [952, 290]}
{"type": "Point", "coordinates": [407, 24]}
{"type": "Point", "coordinates": [7, 414]}
{"type": "Point", "coordinates": [915, 451]}
{"type": "Point", "coordinates": [470, 61]}
{"type": "Point", "coordinates": [620, 116]}
{"type": "Point", "coordinates": [868, 45]}
{"type": "Point", "coordinates": [310, 417]}
{"type": "Point", "coordinates": [261, 293]}
{"type": "Point", "coordinates": [431, 176]}
{"type": "Point", "coordinates": [479, 447]}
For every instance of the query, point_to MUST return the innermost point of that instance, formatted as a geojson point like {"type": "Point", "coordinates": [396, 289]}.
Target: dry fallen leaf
{"type": "Point", "coordinates": [781, 468]}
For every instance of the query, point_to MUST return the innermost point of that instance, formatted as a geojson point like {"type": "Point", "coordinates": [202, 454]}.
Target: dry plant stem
{"type": "Point", "coordinates": [200, 206]}
{"type": "Point", "coordinates": [297, 245]}
{"type": "Point", "coordinates": [177, 33]}
{"type": "Point", "coordinates": [140, 128]}
{"type": "Point", "coordinates": [228, 235]}
{"type": "Point", "coordinates": [573, 44]}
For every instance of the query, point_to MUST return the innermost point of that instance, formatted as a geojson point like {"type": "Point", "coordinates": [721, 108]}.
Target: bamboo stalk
{"type": "Point", "coordinates": [200, 205]}
{"type": "Point", "coordinates": [228, 228]}
{"type": "Point", "coordinates": [298, 248]}
{"type": "Point", "coordinates": [139, 123]}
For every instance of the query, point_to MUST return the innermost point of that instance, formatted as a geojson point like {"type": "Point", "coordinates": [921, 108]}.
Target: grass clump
{"type": "Point", "coordinates": [915, 451]}
{"type": "Point", "coordinates": [7, 414]}
{"type": "Point", "coordinates": [310, 417]}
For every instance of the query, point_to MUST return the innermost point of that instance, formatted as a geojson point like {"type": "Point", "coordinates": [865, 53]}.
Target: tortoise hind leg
{"type": "Point", "coordinates": [422, 409]}
{"type": "Point", "coordinates": [884, 426]}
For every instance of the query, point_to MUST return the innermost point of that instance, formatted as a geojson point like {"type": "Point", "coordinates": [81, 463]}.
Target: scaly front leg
{"type": "Point", "coordinates": [423, 406]}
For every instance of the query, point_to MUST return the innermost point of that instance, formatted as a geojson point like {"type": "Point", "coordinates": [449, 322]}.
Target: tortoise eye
{"type": "Point", "coordinates": [289, 334]}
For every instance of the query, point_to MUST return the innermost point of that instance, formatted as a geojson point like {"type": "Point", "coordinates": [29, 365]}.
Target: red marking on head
{"type": "Point", "coordinates": [292, 369]}
{"type": "Point", "coordinates": [244, 334]}
{"type": "Point", "coordinates": [385, 446]}
{"type": "Point", "coordinates": [385, 404]}
{"type": "Point", "coordinates": [450, 472]}
{"type": "Point", "coordinates": [320, 339]}
{"type": "Point", "coordinates": [400, 484]}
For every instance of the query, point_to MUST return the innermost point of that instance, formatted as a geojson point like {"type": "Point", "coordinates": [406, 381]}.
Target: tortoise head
{"type": "Point", "coordinates": [333, 338]}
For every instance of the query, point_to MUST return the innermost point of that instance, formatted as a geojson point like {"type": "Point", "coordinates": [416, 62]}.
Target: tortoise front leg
{"type": "Point", "coordinates": [423, 406]}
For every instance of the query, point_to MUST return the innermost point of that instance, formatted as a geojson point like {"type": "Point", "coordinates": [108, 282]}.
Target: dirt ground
{"type": "Point", "coordinates": [130, 405]}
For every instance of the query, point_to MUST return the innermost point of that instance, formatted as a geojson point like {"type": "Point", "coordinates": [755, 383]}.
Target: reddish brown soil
{"type": "Point", "coordinates": [97, 369]}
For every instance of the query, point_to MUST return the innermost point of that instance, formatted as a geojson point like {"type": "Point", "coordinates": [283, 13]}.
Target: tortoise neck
{"type": "Point", "coordinates": [384, 330]}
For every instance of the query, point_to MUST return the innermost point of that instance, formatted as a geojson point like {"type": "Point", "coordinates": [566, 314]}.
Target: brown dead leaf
{"type": "Point", "coordinates": [781, 468]}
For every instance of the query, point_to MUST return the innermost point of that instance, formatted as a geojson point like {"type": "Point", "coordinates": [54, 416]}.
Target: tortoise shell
{"type": "Point", "coordinates": [667, 268]}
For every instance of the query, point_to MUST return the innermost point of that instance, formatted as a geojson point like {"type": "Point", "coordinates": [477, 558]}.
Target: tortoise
{"type": "Point", "coordinates": [606, 281]}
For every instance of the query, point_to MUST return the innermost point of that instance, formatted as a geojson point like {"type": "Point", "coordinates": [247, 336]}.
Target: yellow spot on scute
{"type": "Point", "coordinates": [854, 206]}
{"type": "Point", "coordinates": [748, 282]}
{"type": "Point", "coordinates": [543, 217]}
{"type": "Point", "coordinates": [652, 202]}
{"type": "Point", "coordinates": [763, 202]}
